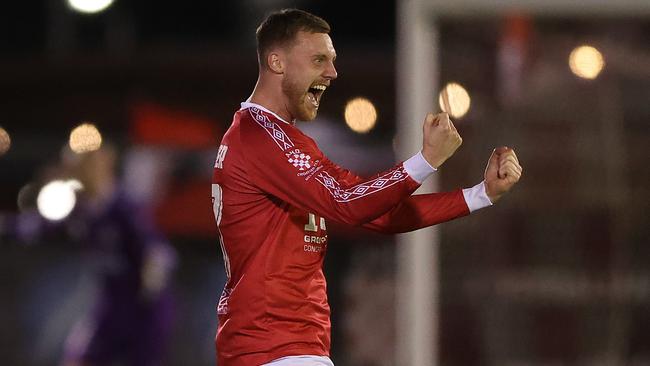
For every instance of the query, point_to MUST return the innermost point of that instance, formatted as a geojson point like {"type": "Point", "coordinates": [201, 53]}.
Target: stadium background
{"type": "Point", "coordinates": [556, 274]}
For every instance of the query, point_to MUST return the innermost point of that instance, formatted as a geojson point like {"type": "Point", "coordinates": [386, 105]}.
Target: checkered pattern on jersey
{"type": "Point", "coordinates": [299, 159]}
{"type": "Point", "coordinates": [302, 161]}
{"type": "Point", "coordinates": [294, 156]}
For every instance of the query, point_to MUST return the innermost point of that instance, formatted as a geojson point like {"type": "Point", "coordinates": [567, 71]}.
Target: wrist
{"type": "Point", "coordinates": [418, 168]}
{"type": "Point", "coordinates": [433, 162]}
{"type": "Point", "coordinates": [494, 197]}
{"type": "Point", "coordinates": [476, 197]}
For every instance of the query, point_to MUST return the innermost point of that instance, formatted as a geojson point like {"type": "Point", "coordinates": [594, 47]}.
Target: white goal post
{"type": "Point", "coordinates": [416, 87]}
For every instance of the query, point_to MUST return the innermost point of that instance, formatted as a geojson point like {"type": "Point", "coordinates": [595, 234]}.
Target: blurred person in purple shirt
{"type": "Point", "coordinates": [130, 321]}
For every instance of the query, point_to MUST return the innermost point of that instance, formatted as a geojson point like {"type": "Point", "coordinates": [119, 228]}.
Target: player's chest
{"type": "Point", "coordinates": [310, 230]}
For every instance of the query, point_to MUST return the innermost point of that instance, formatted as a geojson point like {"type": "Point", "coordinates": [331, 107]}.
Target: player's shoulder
{"type": "Point", "coordinates": [255, 120]}
{"type": "Point", "coordinates": [251, 113]}
{"type": "Point", "coordinates": [246, 122]}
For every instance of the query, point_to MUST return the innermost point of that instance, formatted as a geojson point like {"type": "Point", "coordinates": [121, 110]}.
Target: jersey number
{"type": "Point", "coordinates": [221, 155]}
{"type": "Point", "coordinates": [311, 223]}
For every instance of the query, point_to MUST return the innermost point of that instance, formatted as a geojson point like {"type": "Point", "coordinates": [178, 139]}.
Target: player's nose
{"type": "Point", "coordinates": [330, 71]}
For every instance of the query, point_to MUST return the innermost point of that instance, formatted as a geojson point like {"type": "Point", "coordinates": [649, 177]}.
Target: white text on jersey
{"type": "Point", "coordinates": [221, 155]}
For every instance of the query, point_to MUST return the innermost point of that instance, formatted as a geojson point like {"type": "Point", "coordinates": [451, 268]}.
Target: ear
{"type": "Point", "coordinates": [276, 65]}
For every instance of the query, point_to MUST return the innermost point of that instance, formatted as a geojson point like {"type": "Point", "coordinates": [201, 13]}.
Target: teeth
{"type": "Point", "coordinates": [312, 99]}
{"type": "Point", "coordinates": [319, 87]}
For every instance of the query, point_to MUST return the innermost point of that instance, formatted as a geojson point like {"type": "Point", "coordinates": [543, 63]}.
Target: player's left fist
{"type": "Point", "coordinates": [503, 171]}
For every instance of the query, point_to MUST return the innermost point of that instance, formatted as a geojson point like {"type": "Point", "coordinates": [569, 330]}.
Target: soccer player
{"type": "Point", "coordinates": [131, 320]}
{"type": "Point", "coordinates": [273, 190]}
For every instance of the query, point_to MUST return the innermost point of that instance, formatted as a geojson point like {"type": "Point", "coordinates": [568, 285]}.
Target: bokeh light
{"type": "Point", "coordinates": [57, 199]}
{"type": "Point", "coordinates": [360, 115]}
{"type": "Point", "coordinates": [90, 6]}
{"type": "Point", "coordinates": [454, 100]}
{"type": "Point", "coordinates": [586, 62]}
{"type": "Point", "coordinates": [5, 141]}
{"type": "Point", "coordinates": [85, 138]}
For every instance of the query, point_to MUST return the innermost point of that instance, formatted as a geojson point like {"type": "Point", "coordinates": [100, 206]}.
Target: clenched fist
{"type": "Point", "coordinates": [440, 139]}
{"type": "Point", "coordinates": [502, 172]}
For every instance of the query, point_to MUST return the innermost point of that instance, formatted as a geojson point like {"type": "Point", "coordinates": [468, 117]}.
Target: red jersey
{"type": "Point", "coordinates": [272, 191]}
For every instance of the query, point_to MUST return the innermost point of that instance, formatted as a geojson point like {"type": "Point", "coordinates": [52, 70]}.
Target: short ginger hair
{"type": "Point", "coordinates": [280, 29]}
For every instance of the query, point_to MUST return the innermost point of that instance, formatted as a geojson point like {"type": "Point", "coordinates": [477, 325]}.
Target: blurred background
{"type": "Point", "coordinates": [557, 274]}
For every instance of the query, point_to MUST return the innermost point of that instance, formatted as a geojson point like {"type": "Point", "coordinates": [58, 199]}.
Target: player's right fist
{"type": "Point", "coordinates": [440, 139]}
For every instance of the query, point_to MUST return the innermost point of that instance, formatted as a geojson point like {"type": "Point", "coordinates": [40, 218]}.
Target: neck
{"type": "Point", "coordinates": [267, 95]}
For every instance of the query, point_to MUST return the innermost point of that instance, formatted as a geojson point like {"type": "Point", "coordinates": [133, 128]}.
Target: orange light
{"type": "Point", "coordinates": [454, 100]}
{"type": "Point", "coordinates": [586, 62]}
{"type": "Point", "coordinates": [85, 138]}
{"type": "Point", "coordinates": [5, 141]}
{"type": "Point", "coordinates": [360, 115]}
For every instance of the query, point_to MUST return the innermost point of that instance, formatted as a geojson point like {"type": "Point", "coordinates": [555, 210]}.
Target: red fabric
{"type": "Point", "coordinates": [173, 216]}
{"type": "Point", "coordinates": [265, 185]}
{"type": "Point", "coordinates": [161, 125]}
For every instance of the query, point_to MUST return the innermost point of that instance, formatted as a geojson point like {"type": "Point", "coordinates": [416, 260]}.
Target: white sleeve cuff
{"type": "Point", "coordinates": [476, 197]}
{"type": "Point", "coordinates": [418, 168]}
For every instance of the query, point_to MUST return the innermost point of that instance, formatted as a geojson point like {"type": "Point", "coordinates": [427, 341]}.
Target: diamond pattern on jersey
{"type": "Point", "coordinates": [302, 161]}
{"type": "Point", "coordinates": [295, 157]}
{"type": "Point", "coordinates": [280, 138]}
{"type": "Point", "coordinates": [364, 189]}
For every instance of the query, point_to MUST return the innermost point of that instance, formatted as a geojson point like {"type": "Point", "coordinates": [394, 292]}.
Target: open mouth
{"type": "Point", "coordinates": [315, 92]}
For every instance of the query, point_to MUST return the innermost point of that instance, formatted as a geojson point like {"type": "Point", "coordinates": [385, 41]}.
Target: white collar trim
{"type": "Point", "coordinates": [247, 104]}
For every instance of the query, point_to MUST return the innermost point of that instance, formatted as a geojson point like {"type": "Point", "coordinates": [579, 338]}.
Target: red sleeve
{"type": "Point", "coordinates": [285, 163]}
{"type": "Point", "coordinates": [421, 211]}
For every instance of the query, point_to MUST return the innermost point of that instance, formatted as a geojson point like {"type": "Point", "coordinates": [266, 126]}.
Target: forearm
{"type": "Point", "coordinates": [420, 211]}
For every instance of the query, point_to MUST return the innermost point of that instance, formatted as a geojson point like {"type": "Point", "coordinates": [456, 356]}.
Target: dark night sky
{"type": "Point", "coordinates": [89, 81]}
{"type": "Point", "coordinates": [24, 26]}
